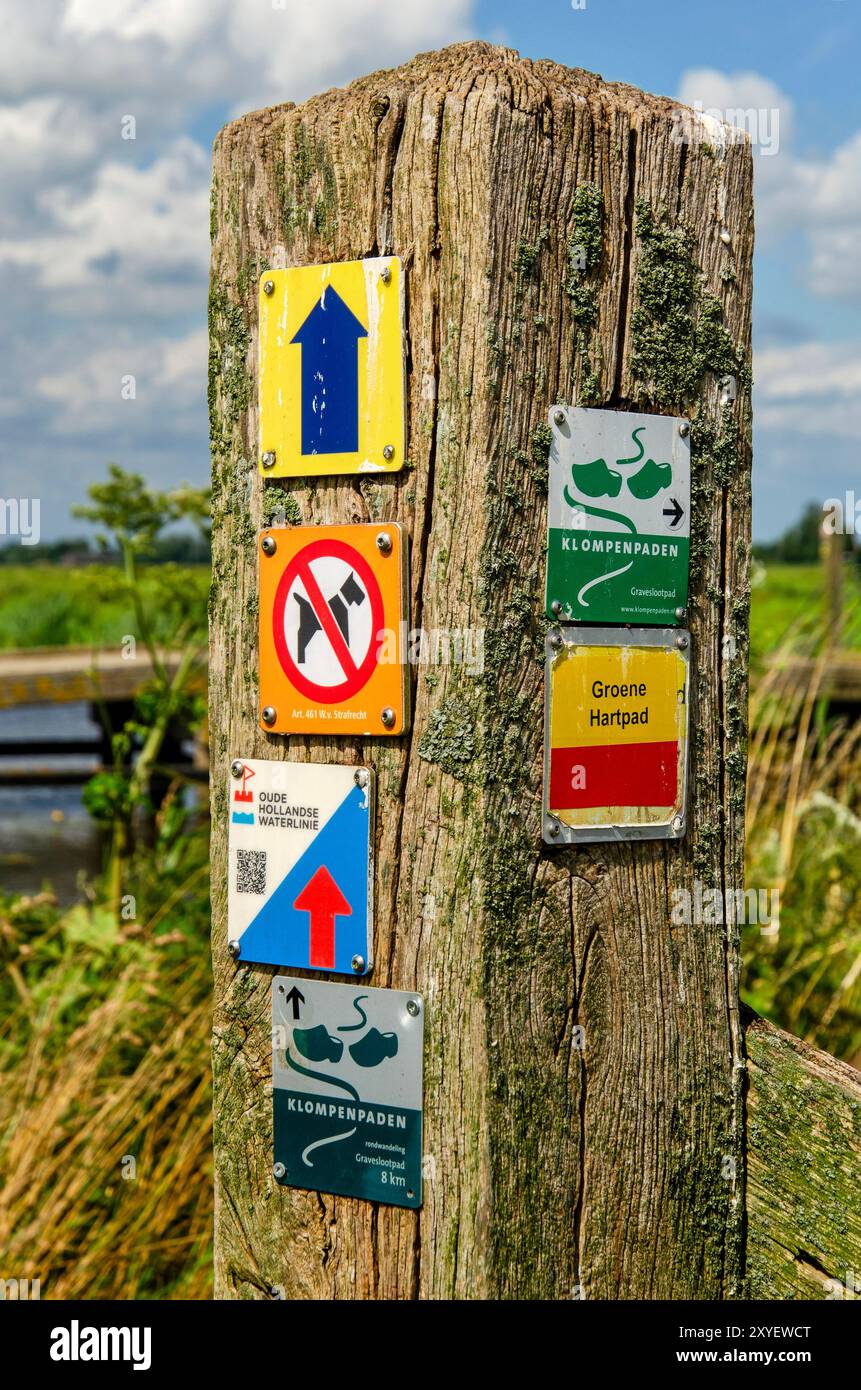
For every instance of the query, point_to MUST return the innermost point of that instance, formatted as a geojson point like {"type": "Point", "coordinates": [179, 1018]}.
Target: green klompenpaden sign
{"type": "Point", "coordinates": [618, 540]}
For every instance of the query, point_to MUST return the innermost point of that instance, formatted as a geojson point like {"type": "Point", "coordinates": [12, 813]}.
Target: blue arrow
{"type": "Point", "coordinates": [330, 376]}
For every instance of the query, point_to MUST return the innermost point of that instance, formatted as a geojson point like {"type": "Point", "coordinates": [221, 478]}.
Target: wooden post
{"type": "Point", "coordinates": [564, 240]}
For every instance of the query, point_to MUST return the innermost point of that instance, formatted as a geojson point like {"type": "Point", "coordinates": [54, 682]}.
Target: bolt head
{"type": "Point", "coordinates": [388, 717]}
{"type": "Point", "coordinates": [684, 429]}
{"type": "Point", "coordinates": [384, 543]}
{"type": "Point", "coordinates": [361, 777]}
{"type": "Point", "coordinates": [414, 1008]}
{"type": "Point", "coordinates": [556, 640]}
{"type": "Point", "coordinates": [268, 545]}
{"type": "Point", "coordinates": [268, 286]}
{"type": "Point", "coordinates": [553, 828]}
{"type": "Point", "coordinates": [386, 274]}
{"type": "Point", "coordinates": [678, 824]}
{"type": "Point", "coordinates": [237, 767]}
{"type": "Point", "coordinates": [681, 642]}
{"type": "Point", "coordinates": [269, 458]}
{"type": "Point", "coordinates": [278, 1170]}
{"type": "Point", "coordinates": [556, 608]}
{"type": "Point", "coordinates": [559, 417]}
{"type": "Point", "coordinates": [269, 714]}
{"type": "Point", "coordinates": [388, 451]}
{"type": "Point", "coordinates": [357, 964]}
{"type": "Point", "coordinates": [681, 614]}
{"type": "Point", "coordinates": [233, 949]}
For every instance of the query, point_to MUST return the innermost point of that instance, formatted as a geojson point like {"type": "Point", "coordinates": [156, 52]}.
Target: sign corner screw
{"type": "Point", "coordinates": [269, 458]}
{"type": "Point", "coordinates": [685, 429]}
{"type": "Point", "coordinates": [360, 777]}
{"type": "Point", "coordinates": [388, 716]}
{"type": "Point", "coordinates": [268, 545]}
{"type": "Point", "coordinates": [555, 638]}
{"type": "Point", "coordinates": [233, 949]}
{"type": "Point", "coordinates": [278, 1170]}
{"type": "Point", "coordinates": [237, 767]}
{"type": "Point", "coordinates": [681, 614]}
{"type": "Point", "coordinates": [268, 714]}
{"type": "Point", "coordinates": [388, 451]}
{"type": "Point", "coordinates": [268, 286]}
{"type": "Point", "coordinates": [414, 1008]}
{"type": "Point", "coordinates": [384, 543]}
{"type": "Point", "coordinates": [553, 828]}
{"type": "Point", "coordinates": [681, 642]}
{"type": "Point", "coordinates": [386, 274]}
{"type": "Point", "coordinates": [556, 608]}
{"type": "Point", "coordinates": [357, 964]}
{"type": "Point", "coordinates": [559, 417]}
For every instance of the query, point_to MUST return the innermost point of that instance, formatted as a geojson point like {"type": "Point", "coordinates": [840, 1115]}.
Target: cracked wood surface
{"type": "Point", "coordinates": [803, 1161]}
{"type": "Point", "coordinates": [612, 1169]}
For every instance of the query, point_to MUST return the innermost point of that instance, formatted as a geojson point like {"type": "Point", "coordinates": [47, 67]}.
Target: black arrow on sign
{"type": "Point", "coordinates": [676, 512]}
{"type": "Point", "coordinates": [297, 999]}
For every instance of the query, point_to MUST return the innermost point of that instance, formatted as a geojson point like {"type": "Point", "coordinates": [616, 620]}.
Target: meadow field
{"type": "Point", "coordinates": [105, 1166]}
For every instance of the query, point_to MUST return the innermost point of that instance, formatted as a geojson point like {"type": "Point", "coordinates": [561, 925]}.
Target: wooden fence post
{"type": "Point", "coordinates": [564, 240]}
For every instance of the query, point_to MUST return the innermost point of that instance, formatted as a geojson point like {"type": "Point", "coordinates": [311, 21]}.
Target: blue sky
{"type": "Point", "coordinates": [103, 240]}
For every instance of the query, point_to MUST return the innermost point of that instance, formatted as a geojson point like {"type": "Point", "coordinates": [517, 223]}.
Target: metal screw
{"type": "Point", "coordinates": [681, 614]}
{"type": "Point", "coordinates": [268, 546]}
{"type": "Point", "coordinates": [681, 642]}
{"type": "Point", "coordinates": [386, 274]}
{"type": "Point", "coordinates": [357, 964]}
{"type": "Point", "coordinates": [388, 451]}
{"type": "Point", "coordinates": [556, 640]}
{"type": "Point", "coordinates": [684, 429]}
{"type": "Point", "coordinates": [278, 1170]}
{"type": "Point", "coordinates": [237, 767]}
{"type": "Point", "coordinates": [384, 543]}
{"type": "Point", "coordinates": [268, 286]}
{"type": "Point", "coordinates": [269, 714]}
{"type": "Point", "coordinates": [559, 417]}
{"type": "Point", "coordinates": [678, 824]}
{"type": "Point", "coordinates": [553, 828]}
{"type": "Point", "coordinates": [556, 608]}
{"type": "Point", "coordinates": [233, 949]}
{"type": "Point", "coordinates": [269, 458]}
{"type": "Point", "coordinates": [388, 716]}
{"type": "Point", "coordinates": [414, 1008]}
{"type": "Point", "coordinates": [360, 777]}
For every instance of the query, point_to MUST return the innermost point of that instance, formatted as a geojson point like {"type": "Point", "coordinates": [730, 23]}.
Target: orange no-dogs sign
{"type": "Point", "coordinates": [333, 630]}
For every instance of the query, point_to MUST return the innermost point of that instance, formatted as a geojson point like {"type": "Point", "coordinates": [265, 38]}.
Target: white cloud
{"type": "Point", "coordinates": [819, 197]}
{"type": "Point", "coordinates": [811, 388]}
{"type": "Point", "coordinates": [104, 241]}
{"type": "Point", "coordinates": [91, 389]}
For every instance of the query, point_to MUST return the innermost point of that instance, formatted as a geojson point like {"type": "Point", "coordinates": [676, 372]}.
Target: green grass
{"type": "Point", "coordinates": [788, 603]}
{"type": "Point", "coordinates": [54, 607]}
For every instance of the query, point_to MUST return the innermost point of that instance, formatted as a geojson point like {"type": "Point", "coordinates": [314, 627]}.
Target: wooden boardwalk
{"type": "Point", "coordinates": [58, 675]}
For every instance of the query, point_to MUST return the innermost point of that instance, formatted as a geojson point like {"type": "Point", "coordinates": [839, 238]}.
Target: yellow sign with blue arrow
{"type": "Point", "coordinates": [331, 369]}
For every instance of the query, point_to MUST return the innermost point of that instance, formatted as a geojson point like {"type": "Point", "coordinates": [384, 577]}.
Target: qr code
{"type": "Point", "coordinates": [251, 871]}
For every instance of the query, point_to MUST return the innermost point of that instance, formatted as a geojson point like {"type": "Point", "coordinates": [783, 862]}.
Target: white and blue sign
{"type": "Point", "coordinates": [300, 865]}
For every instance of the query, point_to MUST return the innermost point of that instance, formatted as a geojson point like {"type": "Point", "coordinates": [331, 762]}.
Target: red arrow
{"type": "Point", "coordinates": [323, 900]}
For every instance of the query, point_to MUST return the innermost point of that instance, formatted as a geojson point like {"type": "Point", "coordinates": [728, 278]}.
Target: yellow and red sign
{"type": "Point", "coordinates": [616, 736]}
{"type": "Point", "coordinates": [332, 378]}
{"type": "Point", "coordinates": [333, 630]}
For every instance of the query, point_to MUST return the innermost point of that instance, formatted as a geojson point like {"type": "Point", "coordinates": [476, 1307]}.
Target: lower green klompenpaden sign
{"type": "Point", "coordinates": [347, 1089]}
{"type": "Point", "coordinates": [618, 542]}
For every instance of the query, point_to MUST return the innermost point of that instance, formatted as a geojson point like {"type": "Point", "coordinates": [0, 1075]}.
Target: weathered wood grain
{"type": "Point", "coordinates": [803, 1167]}
{"type": "Point", "coordinates": [553, 1170]}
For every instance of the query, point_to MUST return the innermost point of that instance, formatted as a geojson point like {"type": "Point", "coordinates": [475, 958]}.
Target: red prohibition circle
{"type": "Point", "coordinates": [358, 676]}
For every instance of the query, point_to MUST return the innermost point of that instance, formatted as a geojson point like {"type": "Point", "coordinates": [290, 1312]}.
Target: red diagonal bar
{"type": "Point", "coordinates": [327, 621]}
